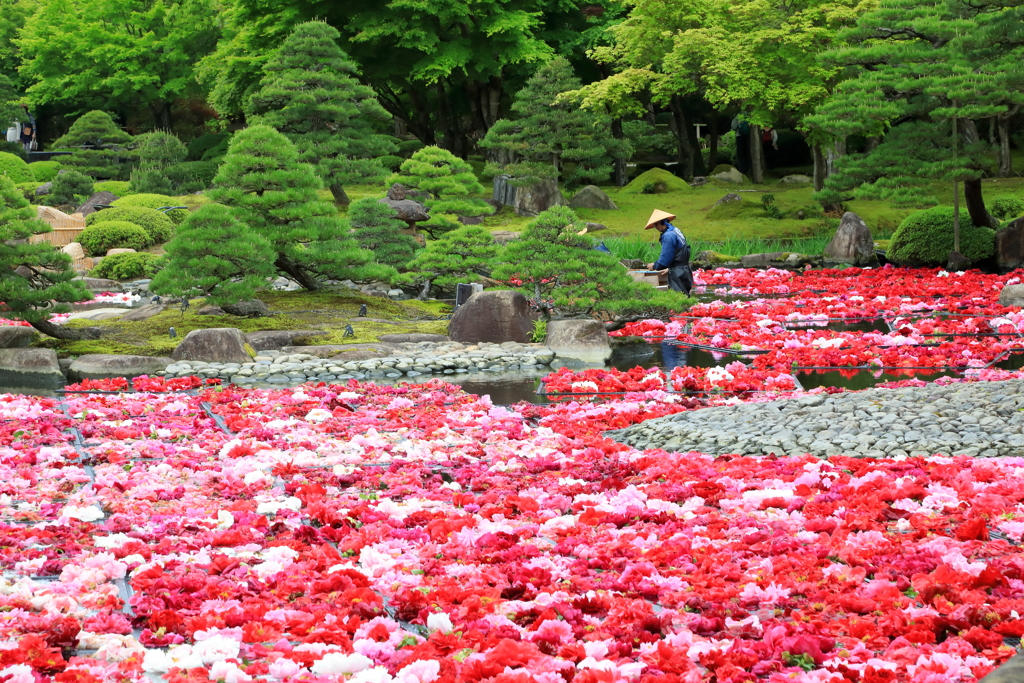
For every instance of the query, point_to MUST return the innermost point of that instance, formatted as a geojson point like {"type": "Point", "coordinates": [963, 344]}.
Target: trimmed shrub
{"type": "Point", "coordinates": [96, 239]}
{"type": "Point", "coordinates": [1007, 208]}
{"type": "Point", "coordinates": [218, 151]}
{"type": "Point", "coordinates": [200, 145]}
{"type": "Point", "coordinates": [191, 176]}
{"type": "Point", "coordinates": [29, 191]}
{"type": "Point", "coordinates": [157, 225]}
{"type": "Point", "coordinates": [127, 266]}
{"type": "Point", "coordinates": [44, 171]}
{"type": "Point", "coordinates": [14, 148]}
{"type": "Point", "coordinates": [15, 168]}
{"type": "Point", "coordinates": [655, 181]}
{"type": "Point", "coordinates": [378, 230]}
{"type": "Point", "coordinates": [120, 188]}
{"type": "Point", "coordinates": [406, 148]}
{"type": "Point", "coordinates": [69, 187]}
{"type": "Point", "coordinates": [155, 201]}
{"type": "Point", "coordinates": [108, 157]}
{"type": "Point", "coordinates": [926, 238]}
{"type": "Point", "coordinates": [390, 162]}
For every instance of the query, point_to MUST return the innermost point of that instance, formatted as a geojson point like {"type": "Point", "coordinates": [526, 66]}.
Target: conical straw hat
{"type": "Point", "coordinates": [659, 215]}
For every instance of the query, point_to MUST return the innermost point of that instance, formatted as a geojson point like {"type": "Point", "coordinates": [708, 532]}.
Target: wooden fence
{"type": "Point", "coordinates": [65, 231]}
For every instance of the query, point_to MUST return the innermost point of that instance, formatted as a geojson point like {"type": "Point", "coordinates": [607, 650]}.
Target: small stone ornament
{"type": "Point", "coordinates": [349, 332]}
{"type": "Point", "coordinates": [172, 333]}
{"type": "Point", "coordinates": [362, 311]}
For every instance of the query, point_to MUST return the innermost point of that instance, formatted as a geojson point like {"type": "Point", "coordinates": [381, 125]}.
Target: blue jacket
{"type": "Point", "coordinates": [672, 240]}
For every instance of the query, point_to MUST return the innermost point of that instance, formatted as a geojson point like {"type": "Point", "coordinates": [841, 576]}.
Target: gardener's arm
{"type": "Point", "coordinates": [669, 245]}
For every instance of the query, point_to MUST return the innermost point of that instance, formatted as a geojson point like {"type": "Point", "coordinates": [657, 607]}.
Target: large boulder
{"type": "Point", "coordinates": [44, 189]}
{"type": "Point", "coordinates": [797, 178]}
{"type": "Point", "coordinates": [143, 312]}
{"type": "Point", "coordinates": [398, 192]}
{"type": "Point", "coordinates": [1012, 295]}
{"type": "Point", "coordinates": [762, 260]}
{"type": "Point", "coordinates": [505, 236]}
{"type": "Point", "coordinates": [271, 340]}
{"type": "Point", "coordinates": [1010, 245]}
{"type": "Point", "coordinates": [30, 368]}
{"type": "Point", "coordinates": [120, 250]}
{"type": "Point", "coordinates": [16, 336]}
{"type": "Point", "coordinates": [585, 340]}
{"type": "Point", "coordinates": [852, 243]}
{"type": "Point", "coordinates": [407, 210]}
{"type": "Point", "coordinates": [107, 313]}
{"type": "Point", "coordinates": [493, 316]}
{"type": "Point", "coordinates": [104, 365]}
{"type": "Point", "coordinates": [98, 284]}
{"type": "Point", "coordinates": [90, 204]}
{"type": "Point", "coordinates": [591, 197]}
{"type": "Point", "coordinates": [247, 309]}
{"type": "Point", "coordinates": [214, 345]}
{"type": "Point", "coordinates": [731, 175]}
{"type": "Point", "coordinates": [533, 199]}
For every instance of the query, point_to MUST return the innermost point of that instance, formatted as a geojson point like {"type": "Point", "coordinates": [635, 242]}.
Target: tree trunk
{"type": "Point", "coordinates": [833, 154]}
{"type": "Point", "coordinates": [756, 155]}
{"type": "Point", "coordinates": [61, 332]}
{"type": "Point", "coordinates": [713, 143]}
{"type": "Point", "coordinates": [976, 204]}
{"type": "Point", "coordinates": [1003, 128]}
{"type": "Point", "coordinates": [425, 292]}
{"type": "Point", "coordinates": [297, 273]}
{"type": "Point", "coordinates": [873, 142]}
{"type": "Point", "coordinates": [820, 168]}
{"type": "Point", "coordinates": [161, 113]}
{"type": "Point", "coordinates": [619, 177]}
{"type": "Point", "coordinates": [684, 151]}
{"type": "Point", "coordinates": [340, 197]}
{"type": "Point", "coordinates": [697, 159]}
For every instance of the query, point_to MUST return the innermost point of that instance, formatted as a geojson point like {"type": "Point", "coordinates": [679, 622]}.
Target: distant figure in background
{"type": "Point", "coordinates": [28, 138]}
{"type": "Point", "coordinates": [742, 130]}
{"type": "Point", "coordinates": [675, 252]}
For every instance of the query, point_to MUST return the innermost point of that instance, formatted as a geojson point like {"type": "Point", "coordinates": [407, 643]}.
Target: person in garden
{"type": "Point", "coordinates": [675, 252]}
{"type": "Point", "coordinates": [28, 136]}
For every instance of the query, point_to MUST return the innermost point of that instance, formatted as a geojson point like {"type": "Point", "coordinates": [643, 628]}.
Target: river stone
{"type": "Point", "coordinates": [852, 243]}
{"type": "Point", "coordinates": [398, 192]}
{"type": "Point", "coordinates": [270, 340]}
{"type": "Point", "coordinates": [731, 197]}
{"type": "Point", "coordinates": [797, 178]}
{"type": "Point", "coordinates": [585, 340]}
{"type": "Point", "coordinates": [413, 337]}
{"type": "Point", "coordinates": [343, 352]}
{"type": "Point", "coordinates": [247, 309]}
{"type": "Point", "coordinates": [74, 250]}
{"type": "Point", "coordinates": [210, 309]}
{"type": "Point", "coordinates": [957, 262]}
{"type": "Point", "coordinates": [493, 316]}
{"type": "Point", "coordinates": [761, 260]}
{"type": "Point", "coordinates": [533, 199]}
{"type": "Point", "coordinates": [104, 365]}
{"type": "Point", "coordinates": [16, 336]}
{"type": "Point", "coordinates": [591, 197]}
{"type": "Point", "coordinates": [96, 284]}
{"type": "Point", "coordinates": [595, 227]}
{"type": "Point", "coordinates": [1010, 245]}
{"type": "Point", "coordinates": [407, 210]}
{"type": "Point", "coordinates": [143, 312]}
{"type": "Point", "coordinates": [89, 206]}
{"type": "Point", "coordinates": [30, 368]}
{"type": "Point", "coordinates": [505, 236]}
{"type": "Point", "coordinates": [1012, 295]}
{"type": "Point", "coordinates": [214, 345]}
{"type": "Point", "coordinates": [732, 175]}
{"type": "Point", "coordinates": [44, 189]}
{"type": "Point", "coordinates": [119, 250]}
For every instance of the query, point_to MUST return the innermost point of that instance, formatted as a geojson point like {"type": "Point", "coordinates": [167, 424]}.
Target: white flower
{"type": "Point", "coordinates": [420, 671]}
{"type": "Point", "coordinates": [228, 672]}
{"type": "Point", "coordinates": [318, 415]}
{"type": "Point", "coordinates": [335, 663]}
{"type": "Point", "coordinates": [216, 649]}
{"type": "Point", "coordinates": [89, 513]}
{"type": "Point", "coordinates": [439, 621]}
{"type": "Point", "coordinates": [377, 674]}
{"type": "Point", "coordinates": [272, 506]}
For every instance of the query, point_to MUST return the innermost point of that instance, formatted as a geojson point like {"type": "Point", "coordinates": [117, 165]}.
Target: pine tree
{"type": "Point", "coordinates": [311, 94]}
{"type": "Point", "coordinates": [378, 230]}
{"type": "Point", "coordinates": [564, 276]}
{"type": "Point", "coordinates": [212, 254]}
{"type": "Point", "coordinates": [459, 256]}
{"type": "Point", "coordinates": [547, 133]}
{"type": "Point", "coordinates": [69, 188]}
{"type": "Point", "coordinates": [156, 151]}
{"type": "Point", "coordinates": [275, 194]}
{"type": "Point", "coordinates": [106, 155]}
{"type": "Point", "coordinates": [35, 279]}
{"type": "Point", "coordinates": [450, 181]}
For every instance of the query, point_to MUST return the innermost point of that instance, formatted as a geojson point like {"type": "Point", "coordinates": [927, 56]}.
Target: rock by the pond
{"type": "Point", "coordinates": [104, 365]}
{"type": "Point", "coordinates": [44, 189]}
{"type": "Point", "coordinates": [98, 314]}
{"type": "Point", "coordinates": [119, 250]}
{"type": "Point", "coordinates": [143, 312]}
{"type": "Point", "coordinates": [503, 236]}
{"type": "Point", "coordinates": [74, 250]}
{"type": "Point", "coordinates": [100, 284]}
{"type": "Point", "coordinates": [596, 227]}
{"type": "Point", "coordinates": [1012, 295]}
{"type": "Point", "coordinates": [585, 340]}
{"type": "Point", "coordinates": [89, 205]}
{"type": "Point", "coordinates": [398, 192]}
{"type": "Point", "coordinates": [731, 197]}
{"type": "Point", "coordinates": [761, 260]}
{"type": "Point", "coordinates": [407, 210]}
{"type": "Point", "coordinates": [1010, 245]}
{"type": "Point", "coordinates": [489, 316]}
{"type": "Point", "coordinates": [266, 340]}
{"type": "Point", "coordinates": [956, 262]}
{"type": "Point", "coordinates": [210, 309]}
{"type": "Point", "coordinates": [247, 309]}
{"type": "Point", "coordinates": [591, 197]}
{"type": "Point", "coordinates": [852, 243]}
{"type": "Point", "coordinates": [414, 337]}
{"type": "Point", "coordinates": [797, 178]}
{"type": "Point", "coordinates": [216, 344]}
{"type": "Point", "coordinates": [534, 199]}
{"type": "Point", "coordinates": [30, 368]}
{"type": "Point", "coordinates": [471, 220]}
{"type": "Point", "coordinates": [732, 175]}
{"type": "Point", "coordinates": [16, 336]}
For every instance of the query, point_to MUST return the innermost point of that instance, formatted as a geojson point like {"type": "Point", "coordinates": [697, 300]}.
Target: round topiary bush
{"type": "Point", "coordinates": [44, 171]}
{"type": "Point", "coordinates": [1007, 208]}
{"type": "Point", "coordinates": [15, 168]}
{"type": "Point", "coordinates": [390, 162]}
{"type": "Point", "coordinates": [126, 266]}
{"type": "Point", "coordinates": [98, 238]}
{"type": "Point", "coordinates": [155, 201]}
{"type": "Point", "coordinates": [70, 187]}
{"type": "Point", "coordinates": [155, 223]}
{"type": "Point", "coordinates": [925, 238]}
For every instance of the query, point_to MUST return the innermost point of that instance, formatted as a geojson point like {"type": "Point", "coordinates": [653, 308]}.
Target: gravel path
{"type": "Point", "coordinates": [979, 419]}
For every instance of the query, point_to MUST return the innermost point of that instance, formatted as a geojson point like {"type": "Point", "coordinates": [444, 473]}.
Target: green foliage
{"type": "Point", "coordinates": [1007, 208]}
{"type": "Point", "coordinates": [49, 286]}
{"type": "Point", "coordinates": [69, 187]}
{"type": "Point", "coordinates": [44, 171]}
{"type": "Point", "coordinates": [406, 148]}
{"type": "Point", "coordinates": [540, 331]}
{"type": "Point", "coordinates": [156, 224]}
{"type": "Point", "coordinates": [155, 201]}
{"type": "Point", "coordinates": [565, 276]}
{"type": "Point", "coordinates": [127, 266]}
{"type": "Point", "coordinates": [15, 168]}
{"type": "Point", "coordinates": [29, 191]}
{"type": "Point", "coordinates": [108, 157]}
{"type": "Point", "coordinates": [771, 207]}
{"type": "Point", "coordinates": [97, 238]}
{"type": "Point", "coordinates": [119, 188]}
{"type": "Point", "coordinates": [378, 230]}
{"type": "Point", "coordinates": [14, 148]}
{"type": "Point", "coordinates": [156, 151]}
{"type": "Point", "coordinates": [547, 133]}
{"type": "Point", "coordinates": [459, 256]}
{"type": "Point", "coordinates": [150, 181]}
{"type": "Point", "coordinates": [311, 94]}
{"type": "Point", "coordinates": [926, 238]}
{"type": "Point", "coordinates": [216, 256]}
{"type": "Point", "coordinates": [646, 139]}
{"type": "Point", "coordinates": [275, 195]}
{"type": "Point", "coordinates": [191, 176]}
{"type": "Point", "coordinates": [390, 162]}
{"type": "Point", "coordinates": [451, 184]}
{"type": "Point", "coordinates": [655, 181]}
{"type": "Point", "coordinates": [197, 147]}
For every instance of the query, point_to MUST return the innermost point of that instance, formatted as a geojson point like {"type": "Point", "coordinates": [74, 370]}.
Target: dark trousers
{"type": "Point", "coordinates": [680, 279]}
